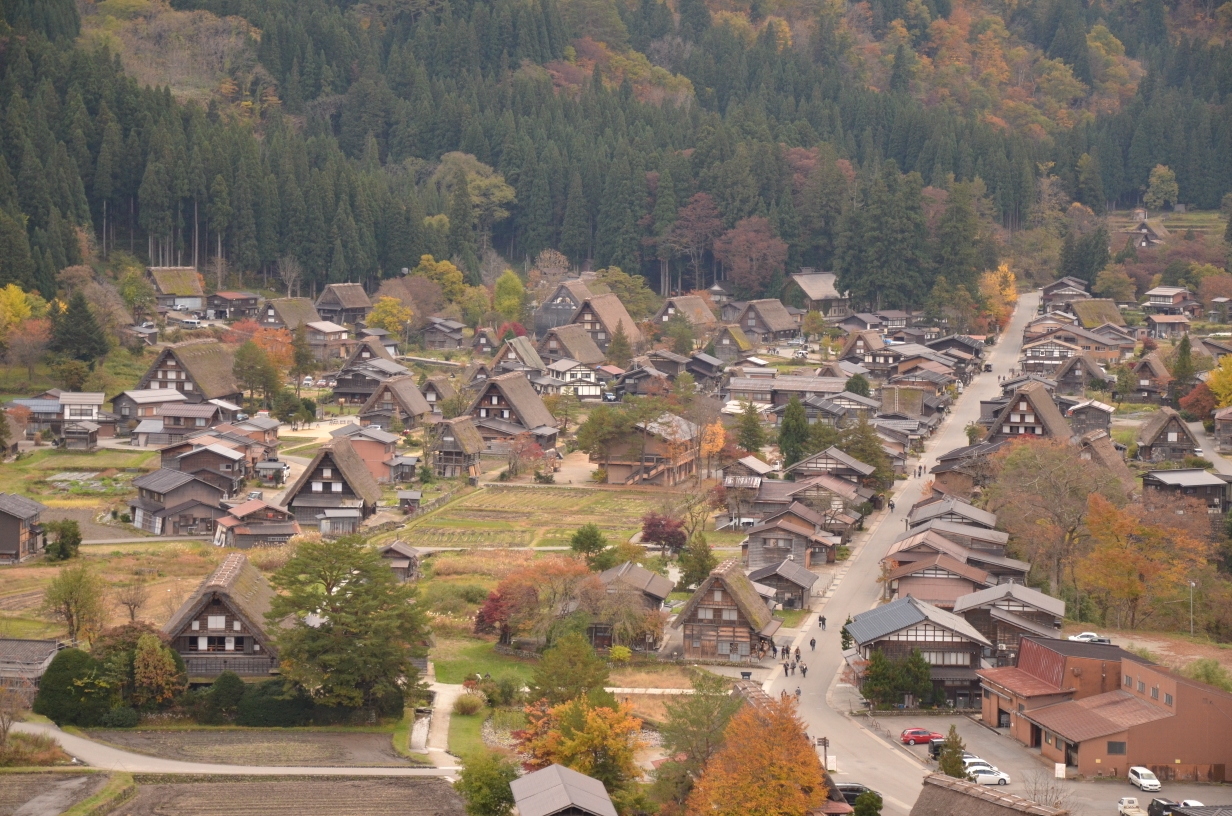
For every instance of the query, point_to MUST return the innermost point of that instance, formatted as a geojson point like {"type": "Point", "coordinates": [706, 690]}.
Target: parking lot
{"type": "Point", "coordinates": [1090, 798]}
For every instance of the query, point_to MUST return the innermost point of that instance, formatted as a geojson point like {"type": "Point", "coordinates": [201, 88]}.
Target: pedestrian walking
{"type": "Point", "coordinates": [891, 505]}
{"type": "Point", "coordinates": [812, 644]}
{"type": "Point", "coordinates": [804, 670]}
{"type": "Point", "coordinates": [786, 668]}
{"type": "Point", "coordinates": [797, 692]}
{"type": "Point", "coordinates": [797, 654]}
{"type": "Point", "coordinates": [822, 621]}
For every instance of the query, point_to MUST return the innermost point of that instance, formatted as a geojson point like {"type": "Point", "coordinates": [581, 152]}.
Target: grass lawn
{"type": "Point", "coordinates": [464, 733]}
{"type": "Point", "coordinates": [295, 441]}
{"type": "Point", "coordinates": [29, 473]}
{"type": "Point", "coordinates": [455, 659]}
{"type": "Point", "coordinates": [792, 617]}
{"type": "Point", "coordinates": [306, 451]}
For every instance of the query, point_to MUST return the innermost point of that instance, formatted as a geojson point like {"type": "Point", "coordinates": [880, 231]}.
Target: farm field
{"type": "Point", "coordinates": [31, 474]}
{"type": "Point", "coordinates": [314, 796]}
{"type": "Point", "coordinates": [261, 746]}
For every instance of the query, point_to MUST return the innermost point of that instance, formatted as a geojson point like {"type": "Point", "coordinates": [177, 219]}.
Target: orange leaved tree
{"type": "Point", "coordinates": [765, 767]}
{"type": "Point", "coordinates": [594, 740]}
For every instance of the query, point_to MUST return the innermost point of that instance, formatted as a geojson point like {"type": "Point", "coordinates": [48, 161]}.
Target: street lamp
{"type": "Point", "coordinates": [1191, 589]}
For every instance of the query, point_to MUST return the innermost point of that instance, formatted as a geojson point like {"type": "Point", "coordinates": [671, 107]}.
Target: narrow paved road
{"type": "Point", "coordinates": [863, 756]}
{"type": "Point", "coordinates": [97, 755]}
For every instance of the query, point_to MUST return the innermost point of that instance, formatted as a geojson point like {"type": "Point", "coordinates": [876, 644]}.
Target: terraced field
{"type": "Point", "coordinates": [326, 796]}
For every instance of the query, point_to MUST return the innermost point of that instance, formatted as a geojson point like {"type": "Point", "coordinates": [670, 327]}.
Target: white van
{"type": "Point", "coordinates": [191, 322]}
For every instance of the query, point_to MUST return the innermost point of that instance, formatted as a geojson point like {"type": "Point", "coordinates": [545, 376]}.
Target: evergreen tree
{"type": "Point", "coordinates": [461, 221]}
{"type": "Point", "coordinates": [858, 384]}
{"type": "Point", "coordinates": [957, 253]}
{"type": "Point", "coordinates": [303, 361]}
{"type": "Point", "coordinates": [76, 334]}
{"type": "Point", "coordinates": [749, 433]}
{"type": "Point", "coordinates": [619, 351]}
{"type": "Point", "coordinates": [575, 232]}
{"type": "Point", "coordinates": [793, 432]}
{"type": "Point", "coordinates": [696, 561]}
{"type": "Point", "coordinates": [1183, 365]}
{"type": "Point", "coordinates": [950, 762]}
{"type": "Point", "coordinates": [861, 441]}
{"type": "Point", "coordinates": [1091, 184]}
{"type": "Point", "coordinates": [588, 541]}
{"type": "Point", "coordinates": [694, 19]}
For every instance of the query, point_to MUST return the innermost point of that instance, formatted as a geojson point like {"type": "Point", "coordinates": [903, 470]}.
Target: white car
{"type": "Point", "coordinates": [975, 763]}
{"type": "Point", "coordinates": [1143, 779]}
{"type": "Point", "coordinates": [1191, 803]}
{"type": "Point", "coordinates": [1084, 637]}
{"type": "Point", "coordinates": [986, 776]}
{"type": "Point", "coordinates": [1197, 451]}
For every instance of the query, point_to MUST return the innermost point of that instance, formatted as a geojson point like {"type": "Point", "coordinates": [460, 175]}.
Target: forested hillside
{"type": "Point", "coordinates": [893, 141]}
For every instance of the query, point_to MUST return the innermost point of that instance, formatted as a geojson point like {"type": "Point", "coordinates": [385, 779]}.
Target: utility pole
{"type": "Point", "coordinates": [1191, 589]}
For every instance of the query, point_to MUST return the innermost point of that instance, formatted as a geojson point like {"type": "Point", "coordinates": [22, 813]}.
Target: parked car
{"type": "Point", "coordinates": [974, 763]}
{"type": "Point", "coordinates": [1142, 779]}
{"type": "Point", "coordinates": [1161, 807]}
{"type": "Point", "coordinates": [256, 494]}
{"type": "Point", "coordinates": [191, 322]}
{"type": "Point", "coordinates": [851, 790]}
{"type": "Point", "coordinates": [800, 354]}
{"type": "Point", "coordinates": [988, 366]}
{"type": "Point", "coordinates": [912, 736]}
{"type": "Point", "coordinates": [1128, 806]}
{"type": "Point", "coordinates": [1197, 451]}
{"type": "Point", "coordinates": [1085, 637]}
{"type": "Point", "coordinates": [934, 750]}
{"type": "Point", "coordinates": [1103, 640]}
{"type": "Point", "coordinates": [320, 383]}
{"type": "Point", "coordinates": [1191, 803]}
{"type": "Point", "coordinates": [989, 776]}
{"type": "Point", "coordinates": [307, 382]}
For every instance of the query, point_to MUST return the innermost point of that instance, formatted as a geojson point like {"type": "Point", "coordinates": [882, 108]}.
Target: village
{"type": "Point", "coordinates": [758, 491]}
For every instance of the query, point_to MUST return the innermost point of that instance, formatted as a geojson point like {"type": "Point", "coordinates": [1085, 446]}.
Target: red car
{"type": "Point", "coordinates": [913, 736]}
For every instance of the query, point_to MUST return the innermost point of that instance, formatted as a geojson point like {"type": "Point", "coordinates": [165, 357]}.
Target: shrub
{"type": "Point", "coordinates": [70, 691]}
{"type": "Point", "coordinates": [225, 693]}
{"type": "Point", "coordinates": [842, 552]}
{"type": "Point", "coordinates": [126, 518]}
{"type": "Point", "coordinates": [468, 704]}
{"type": "Point", "coordinates": [599, 476]}
{"type": "Point", "coordinates": [505, 691]}
{"type": "Point", "coordinates": [620, 654]}
{"type": "Point", "coordinates": [544, 477]}
{"type": "Point", "coordinates": [269, 704]}
{"type": "Point", "coordinates": [123, 717]}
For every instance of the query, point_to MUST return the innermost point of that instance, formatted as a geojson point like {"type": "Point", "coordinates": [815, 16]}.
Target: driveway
{"type": "Point", "coordinates": [861, 755]}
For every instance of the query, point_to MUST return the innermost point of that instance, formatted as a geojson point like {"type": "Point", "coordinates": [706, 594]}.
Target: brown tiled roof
{"type": "Point", "coordinates": [404, 391]}
{"type": "Point", "coordinates": [240, 585]}
{"type": "Point", "coordinates": [1096, 312]}
{"type": "Point", "coordinates": [944, 562]}
{"type": "Point", "coordinates": [693, 307]}
{"type": "Point", "coordinates": [946, 796]}
{"type": "Point", "coordinates": [773, 313]}
{"type": "Point", "coordinates": [349, 464]}
{"type": "Point", "coordinates": [1151, 429]}
{"type": "Point", "coordinates": [293, 311]}
{"type": "Point", "coordinates": [750, 604]}
{"type": "Point", "coordinates": [1046, 411]}
{"type": "Point", "coordinates": [348, 295]}
{"type": "Point", "coordinates": [209, 365]}
{"type": "Point", "coordinates": [1097, 716]}
{"type": "Point", "coordinates": [1018, 681]}
{"type": "Point", "coordinates": [464, 433]}
{"type": "Point", "coordinates": [181, 281]}
{"type": "Point", "coordinates": [574, 342]}
{"type": "Point", "coordinates": [522, 398]}
{"type": "Point", "coordinates": [611, 312]}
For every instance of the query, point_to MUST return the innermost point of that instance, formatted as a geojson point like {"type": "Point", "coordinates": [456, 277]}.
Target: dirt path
{"type": "Point", "coordinates": [60, 796]}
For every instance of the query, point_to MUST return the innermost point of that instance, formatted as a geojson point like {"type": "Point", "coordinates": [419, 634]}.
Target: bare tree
{"type": "Point", "coordinates": [289, 272]}
{"type": "Point", "coordinates": [12, 701]}
{"type": "Point", "coordinates": [1049, 791]}
{"type": "Point", "coordinates": [132, 598]}
{"type": "Point", "coordinates": [29, 345]}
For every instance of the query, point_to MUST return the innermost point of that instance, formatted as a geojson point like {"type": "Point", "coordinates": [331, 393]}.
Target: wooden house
{"type": "Point", "coordinates": [255, 524]}
{"type": "Point", "coordinates": [940, 580]}
{"type": "Point", "coordinates": [403, 559]}
{"type": "Point", "coordinates": [926, 542]}
{"type": "Point", "coordinates": [819, 293]}
{"type": "Point", "coordinates": [484, 342]}
{"type": "Point", "coordinates": [1080, 372]}
{"type": "Point", "coordinates": [443, 334]}
{"type": "Point", "coordinates": [834, 462]}
{"type": "Point", "coordinates": [1152, 380]}
{"type": "Point", "coordinates": [335, 479]}
{"type": "Point", "coordinates": [559, 307]}
{"type": "Point", "coordinates": [396, 397]}
{"type": "Point", "coordinates": [767, 321]}
{"type": "Point", "coordinates": [177, 288]}
{"type": "Point", "coordinates": [569, 342]}
{"type": "Point", "coordinates": [692, 307]}
{"type": "Point", "coordinates": [1107, 348]}
{"type": "Point", "coordinates": [145, 403]}
{"type": "Point", "coordinates": [222, 466]}
{"type": "Point", "coordinates": [731, 345]}
{"type": "Point", "coordinates": [457, 449]}
{"type": "Point", "coordinates": [1030, 412]}
{"type": "Point", "coordinates": [288, 313]}
{"type": "Point", "coordinates": [652, 588]}
{"type": "Point", "coordinates": [376, 448]}
{"type": "Point", "coordinates": [1045, 355]}
{"type": "Point", "coordinates": [409, 500]}
{"type": "Point", "coordinates": [579, 379]}
{"type": "Point", "coordinates": [519, 354]}
{"type": "Point", "coordinates": [344, 303]}
{"type": "Point", "coordinates": [706, 369]}
{"type": "Point", "coordinates": [1189, 483]}
{"type": "Point", "coordinates": [746, 472]}
{"type": "Point", "coordinates": [560, 791]}
{"type": "Point", "coordinates": [1163, 326]}
{"type": "Point", "coordinates": [172, 502]}
{"type": "Point", "coordinates": [201, 370]}
{"type": "Point", "coordinates": [726, 618]}
{"type": "Point", "coordinates": [368, 366]}
{"type": "Point", "coordinates": [1061, 293]}
{"type": "Point", "coordinates": [975, 537]}
{"type": "Point", "coordinates": [836, 500]}
{"type": "Point", "coordinates": [949, 508]}
{"type": "Point", "coordinates": [796, 531]}
{"type": "Point", "coordinates": [381, 336]}
{"type": "Point", "coordinates": [661, 452]}
{"type": "Point", "coordinates": [231, 305]}
{"type": "Point", "coordinates": [961, 471]}
{"type": "Point", "coordinates": [328, 341]}
{"type": "Point", "coordinates": [1096, 312]}
{"type": "Point", "coordinates": [21, 533]}
{"type": "Point", "coordinates": [436, 389]}
{"type": "Point", "coordinates": [180, 420]}
{"type": "Point", "coordinates": [507, 406]}
{"type": "Point", "coordinates": [221, 627]}
{"type": "Point", "coordinates": [1006, 612]}
{"type": "Point", "coordinates": [1223, 430]}
{"type": "Point", "coordinates": [1089, 415]}
{"type": "Point", "coordinates": [792, 583]}
{"type": "Point", "coordinates": [861, 321]}
{"type": "Point", "coordinates": [600, 315]}
{"type": "Point", "coordinates": [1165, 437]}
{"type": "Point", "coordinates": [1171, 300]}
{"type": "Point", "coordinates": [951, 646]}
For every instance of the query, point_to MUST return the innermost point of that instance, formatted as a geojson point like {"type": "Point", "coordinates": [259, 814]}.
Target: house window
{"type": "Point", "coordinates": [1047, 738]}
{"type": "Point", "coordinates": [483, 412]}
{"type": "Point", "coordinates": [200, 423]}
{"type": "Point", "coordinates": [327, 473]}
{"type": "Point", "coordinates": [505, 413]}
{"type": "Point", "coordinates": [1167, 699]}
{"type": "Point", "coordinates": [602, 335]}
{"type": "Point", "coordinates": [495, 399]}
{"type": "Point", "coordinates": [1129, 681]}
{"type": "Point", "coordinates": [336, 487]}
{"type": "Point", "coordinates": [229, 644]}
{"type": "Point", "coordinates": [1171, 436]}
{"type": "Point", "coordinates": [705, 613]}
{"type": "Point", "coordinates": [718, 595]}
{"type": "Point", "coordinates": [317, 487]}
{"type": "Point", "coordinates": [729, 614]}
{"type": "Point", "coordinates": [188, 386]}
{"type": "Point", "coordinates": [196, 626]}
{"type": "Point", "coordinates": [1154, 692]}
{"type": "Point", "coordinates": [1116, 748]}
{"type": "Point", "coordinates": [216, 621]}
{"type": "Point", "coordinates": [236, 626]}
{"type": "Point", "coordinates": [1141, 687]}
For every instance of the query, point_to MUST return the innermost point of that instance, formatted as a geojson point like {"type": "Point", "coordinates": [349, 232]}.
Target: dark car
{"type": "Point", "coordinates": [851, 790]}
{"type": "Point", "coordinates": [1161, 807]}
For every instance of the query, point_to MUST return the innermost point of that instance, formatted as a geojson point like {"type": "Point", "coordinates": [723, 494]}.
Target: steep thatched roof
{"type": "Point", "coordinates": [572, 341]}
{"type": "Point", "coordinates": [346, 295]}
{"type": "Point", "coordinates": [1090, 367]}
{"type": "Point", "coordinates": [404, 392]}
{"type": "Point", "coordinates": [693, 307]}
{"type": "Point", "coordinates": [946, 796]}
{"type": "Point", "coordinates": [611, 313]}
{"type": "Point", "coordinates": [522, 350]}
{"type": "Point", "coordinates": [522, 398]}
{"type": "Point", "coordinates": [729, 574]}
{"type": "Point", "coordinates": [181, 281]}
{"type": "Point", "coordinates": [209, 365]}
{"type": "Point", "coordinates": [1096, 312]}
{"type": "Point", "coordinates": [1046, 411]}
{"type": "Point", "coordinates": [773, 313]}
{"type": "Point", "coordinates": [1149, 431]}
{"type": "Point", "coordinates": [464, 433]}
{"type": "Point", "coordinates": [375, 349]}
{"type": "Point", "coordinates": [1154, 366]}
{"type": "Point", "coordinates": [237, 583]}
{"type": "Point", "coordinates": [343, 456]}
{"type": "Point", "coordinates": [294, 311]}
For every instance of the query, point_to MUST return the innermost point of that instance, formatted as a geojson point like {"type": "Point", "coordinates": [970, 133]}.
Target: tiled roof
{"type": "Point", "coordinates": [1018, 592]}
{"type": "Point", "coordinates": [640, 578]}
{"type": "Point", "coordinates": [922, 513]}
{"type": "Point", "coordinates": [1018, 681]}
{"type": "Point", "coordinates": [946, 796]}
{"type": "Point", "coordinates": [897, 615]}
{"type": "Point", "coordinates": [163, 480]}
{"type": "Point", "coordinates": [789, 570]}
{"type": "Point", "coordinates": [557, 789]}
{"type": "Point", "coordinates": [17, 653]}
{"type": "Point", "coordinates": [942, 561]}
{"type": "Point", "coordinates": [18, 506]}
{"type": "Point", "coordinates": [1097, 716]}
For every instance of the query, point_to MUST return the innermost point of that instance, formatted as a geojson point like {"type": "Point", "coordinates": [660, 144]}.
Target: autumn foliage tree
{"type": "Point", "coordinates": [529, 601]}
{"type": "Point", "coordinates": [664, 531]}
{"type": "Point", "coordinates": [751, 253]}
{"type": "Point", "coordinates": [698, 224]}
{"type": "Point", "coordinates": [766, 766]}
{"type": "Point", "coordinates": [596, 740]}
